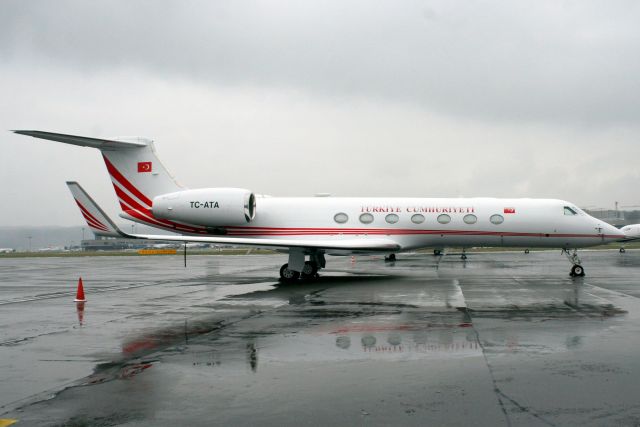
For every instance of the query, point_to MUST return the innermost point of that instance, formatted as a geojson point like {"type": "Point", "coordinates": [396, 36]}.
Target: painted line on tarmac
{"type": "Point", "coordinates": [72, 293]}
{"type": "Point", "coordinates": [456, 299]}
{"type": "Point", "coordinates": [629, 303]}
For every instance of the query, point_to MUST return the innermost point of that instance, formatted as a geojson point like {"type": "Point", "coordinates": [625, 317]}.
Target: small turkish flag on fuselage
{"type": "Point", "coordinates": [509, 210]}
{"type": "Point", "coordinates": [144, 166]}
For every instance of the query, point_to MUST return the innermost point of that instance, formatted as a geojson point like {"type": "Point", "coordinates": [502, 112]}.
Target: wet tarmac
{"type": "Point", "coordinates": [499, 339]}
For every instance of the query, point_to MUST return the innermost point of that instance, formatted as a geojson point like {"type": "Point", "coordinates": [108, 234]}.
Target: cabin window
{"type": "Point", "coordinates": [496, 219]}
{"type": "Point", "coordinates": [569, 211]}
{"type": "Point", "coordinates": [470, 219]}
{"type": "Point", "coordinates": [341, 218]}
{"type": "Point", "coordinates": [417, 219]}
{"type": "Point", "coordinates": [392, 218]}
{"type": "Point", "coordinates": [444, 219]}
{"type": "Point", "coordinates": [366, 218]}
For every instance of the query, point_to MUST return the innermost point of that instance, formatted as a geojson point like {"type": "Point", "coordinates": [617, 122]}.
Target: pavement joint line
{"type": "Point", "coordinates": [498, 391]}
{"type": "Point", "coordinates": [500, 395]}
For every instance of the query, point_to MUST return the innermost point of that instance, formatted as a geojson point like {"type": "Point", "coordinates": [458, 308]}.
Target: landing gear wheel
{"type": "Point", "coordinates": [437, 252]}
{"type": "Point", "coordinates": [390, 258]}
{"type": "Point", "coordinates": [622, 250]}
{"type": "Point", "coordinates": [309, 271]}
{"type": "Point", "coordinates": [463, 256]}
{"type": "Point", "coordinates": [577, 271]}
{"type": "Point", "coordinates": [526, 251]}
{"type": "Point", "coordinates": [288, 276]}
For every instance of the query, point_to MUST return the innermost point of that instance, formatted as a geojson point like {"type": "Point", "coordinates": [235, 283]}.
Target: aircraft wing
{"type": "Point", "coordinates": [360, 245]}
{"type": "Point", "coordinates": [95, 217]}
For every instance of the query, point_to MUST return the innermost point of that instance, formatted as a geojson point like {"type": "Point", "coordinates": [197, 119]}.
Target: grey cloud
{"type": "Point", "coordinates": [573, 63]}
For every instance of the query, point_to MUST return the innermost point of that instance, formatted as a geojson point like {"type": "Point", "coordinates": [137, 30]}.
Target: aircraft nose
{"type": "Point", "coordinates": [612, 232]}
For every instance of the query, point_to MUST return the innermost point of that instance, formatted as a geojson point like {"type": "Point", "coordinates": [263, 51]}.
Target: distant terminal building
{"type": "Point", "coordinates": [114, 244]}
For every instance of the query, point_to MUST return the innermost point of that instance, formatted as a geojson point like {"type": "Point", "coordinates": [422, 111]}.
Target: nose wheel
{"type": "Point", "coordinates": [577, 271]}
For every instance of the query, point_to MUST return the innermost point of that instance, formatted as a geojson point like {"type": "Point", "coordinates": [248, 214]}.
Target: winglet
{"type": "Point", "coordinates": [96, 218]}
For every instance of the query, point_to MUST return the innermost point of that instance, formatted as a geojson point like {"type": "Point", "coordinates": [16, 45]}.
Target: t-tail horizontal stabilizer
{"type": "Point", "coordinates": [96, 219]}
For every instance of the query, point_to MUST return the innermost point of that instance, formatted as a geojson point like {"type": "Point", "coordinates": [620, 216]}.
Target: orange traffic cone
{"type": "Point", "coordinates": [80, 293]}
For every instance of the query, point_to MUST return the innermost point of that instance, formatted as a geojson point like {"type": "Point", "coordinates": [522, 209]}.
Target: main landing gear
{"type": "Point", "coordinates": [309, 271]}
{"type": "Point", "coordinates": [577, 270]}
{"type": "Point", "coordinates": [298, 268]}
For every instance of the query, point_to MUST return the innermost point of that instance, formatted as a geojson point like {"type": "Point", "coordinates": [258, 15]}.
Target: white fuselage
{"type": "Point", "coordinates": [525, 222]}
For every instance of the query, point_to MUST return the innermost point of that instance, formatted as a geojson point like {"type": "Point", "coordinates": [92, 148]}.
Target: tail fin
{"type": "Point", "coordinates": [136, 172]}
{"type": "Point", "coordinates": [96, 219]}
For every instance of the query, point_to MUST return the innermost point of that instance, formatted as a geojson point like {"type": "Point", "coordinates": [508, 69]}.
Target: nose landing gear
{"type": "Point", "coordinates": [577, 270]}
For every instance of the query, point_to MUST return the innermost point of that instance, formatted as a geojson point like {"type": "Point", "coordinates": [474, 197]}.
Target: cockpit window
{"type": "Point", "coordinates": [569, 211]}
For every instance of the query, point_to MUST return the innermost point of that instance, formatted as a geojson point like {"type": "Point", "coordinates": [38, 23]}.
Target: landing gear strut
{"type": "Point", "coordinates": [577, 270]}
{"type": "Point", "coordinates": [464, 254]}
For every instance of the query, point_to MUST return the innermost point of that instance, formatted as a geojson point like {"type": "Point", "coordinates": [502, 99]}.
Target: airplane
{"type": "Point", "coordinates": [308, 228]}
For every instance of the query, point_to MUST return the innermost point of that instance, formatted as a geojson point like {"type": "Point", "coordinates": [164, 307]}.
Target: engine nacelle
{"type": "Point", "coordinates": [215, 207]}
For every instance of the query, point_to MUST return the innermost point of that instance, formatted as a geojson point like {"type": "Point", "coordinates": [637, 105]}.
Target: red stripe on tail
{"type": "Point", "coordinates": [125, 182]}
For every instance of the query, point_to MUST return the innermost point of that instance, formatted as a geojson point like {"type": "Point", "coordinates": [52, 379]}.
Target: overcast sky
{"type": "Point", "coordinates": [353, 98]}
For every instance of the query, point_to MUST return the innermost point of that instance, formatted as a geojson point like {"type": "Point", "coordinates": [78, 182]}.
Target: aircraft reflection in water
{"type": "Point", "coordinates": [412, 332]}
{"type": "Point", "coordinates": [386, 340]}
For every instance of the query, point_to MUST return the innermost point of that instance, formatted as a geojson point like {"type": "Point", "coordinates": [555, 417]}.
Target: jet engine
{"type": "Point", "coordinates": [214, 207]}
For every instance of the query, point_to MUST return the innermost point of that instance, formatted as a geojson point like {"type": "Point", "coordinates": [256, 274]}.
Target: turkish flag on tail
{"type": "Point", "coordinates": [144, 167]}
{"type": "Point", "coordinates": [509, 210]}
